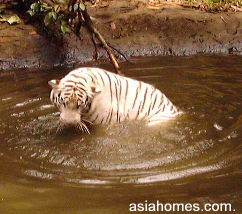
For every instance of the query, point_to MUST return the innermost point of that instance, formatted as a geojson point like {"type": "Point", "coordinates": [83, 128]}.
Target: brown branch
{"type": "Point", "coordinates": [95, 54]}
{"type": "Point", "coordinates": [94, 30]}
{"type": "Point", "coordinates": [119, 52]}
{"type": "Point", "coordinates": [108, 49]}
{"type": "Point", "coordinates": [83, 16]}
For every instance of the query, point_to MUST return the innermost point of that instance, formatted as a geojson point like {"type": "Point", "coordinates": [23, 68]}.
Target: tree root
{"type": "Point", "coordinates": [95, 33]}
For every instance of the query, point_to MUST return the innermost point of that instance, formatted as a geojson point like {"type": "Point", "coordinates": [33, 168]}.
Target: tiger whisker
{"type": "Point", "coordinates": [87, 121]}
{"type": "Point", "coordinates": [84, 127]}
{"type": "Point", "coordinates": [59, 128]}
{"type": "Point", "coordinates": [87, 131]}
{"type": "Point", "coordinates": [79, 127]}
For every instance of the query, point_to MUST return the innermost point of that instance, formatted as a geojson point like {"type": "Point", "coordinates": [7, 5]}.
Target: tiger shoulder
{"type": "Point", "coordinates": [101, 97]}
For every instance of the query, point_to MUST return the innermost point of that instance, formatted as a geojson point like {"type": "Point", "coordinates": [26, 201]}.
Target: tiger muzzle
{"type": "Point", "coordinates": [71, 117]}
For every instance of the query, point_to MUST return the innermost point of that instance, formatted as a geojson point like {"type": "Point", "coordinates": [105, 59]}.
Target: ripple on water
{"type": "Point", "coordinates": [206, 138]}
{"type": "Point", "coordinates": [127, 153]}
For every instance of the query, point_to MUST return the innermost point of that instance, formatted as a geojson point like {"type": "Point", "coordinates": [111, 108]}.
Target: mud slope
{"type": "Point", "coordinates": [131, 27]}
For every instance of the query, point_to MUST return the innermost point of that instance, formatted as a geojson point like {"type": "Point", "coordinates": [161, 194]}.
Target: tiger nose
{"type": "Point", "coordinates": [70, 117]}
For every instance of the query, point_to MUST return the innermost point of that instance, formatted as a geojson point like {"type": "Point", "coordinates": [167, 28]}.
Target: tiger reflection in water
{"type": "Point", "coordinates": [97, 96]}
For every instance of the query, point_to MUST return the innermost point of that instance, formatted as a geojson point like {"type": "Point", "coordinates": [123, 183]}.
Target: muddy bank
{"type": "Point", "coordinates": [133, 28]}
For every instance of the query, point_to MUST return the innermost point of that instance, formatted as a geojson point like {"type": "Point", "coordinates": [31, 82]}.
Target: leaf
{"type": "Point", "coordinates": [60, 17]}
{"type": "Point", "coordinates": [57, 8]}
{"type": "Point", "coordinates": [3, 19]}
{"type": "Point", "coordinates": [47, 19]}
{"type": "Point", "coordinates": [31, 12]}
{"type": "Point", "coordinates": [34, 6]}
{"type": "Point", "coordinates": [70, 9]}
{"type": "Point", "coordinates": [54, 15]}
{"type": "Point", "coordinates": [45, 7]}
{"type": "Point", "coordinates": [64, 27]}
{"type": "Point", "coordinates": [13, 20]}
{"type": "Point", "coordinates": [75, 7]}
{"type": "Point", "coordinates": [93, 18]}
{"type": "Point", "coordinates": [82, 6]}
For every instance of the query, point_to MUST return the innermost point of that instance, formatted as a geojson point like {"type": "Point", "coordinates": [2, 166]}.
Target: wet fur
{"type": "Point", "coordinates": [101, 97]}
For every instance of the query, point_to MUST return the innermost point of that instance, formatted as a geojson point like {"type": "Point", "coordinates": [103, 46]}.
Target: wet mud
{"type": "Point", "coordinates": [132, 28]}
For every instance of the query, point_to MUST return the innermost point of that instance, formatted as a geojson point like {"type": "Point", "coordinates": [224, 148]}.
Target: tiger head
{"type": "Point", "coordinates": [72, 99]}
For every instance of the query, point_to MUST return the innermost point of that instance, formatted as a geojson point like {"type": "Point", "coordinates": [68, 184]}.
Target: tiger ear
{"type": "Point", "coordinates": [95, 89]}
{"type": "Point", "coordinates": [54, 83]}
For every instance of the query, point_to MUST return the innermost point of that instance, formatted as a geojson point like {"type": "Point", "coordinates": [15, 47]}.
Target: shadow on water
{"type": "Point", "coordinates": [195, 158]}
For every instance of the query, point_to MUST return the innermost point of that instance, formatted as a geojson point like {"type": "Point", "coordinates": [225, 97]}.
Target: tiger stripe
{"type": "Point", "coordinates": [119, 98]}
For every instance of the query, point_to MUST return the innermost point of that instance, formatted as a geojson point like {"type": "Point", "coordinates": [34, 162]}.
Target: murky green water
{"type": "Point", "coordinates": [196, 158]}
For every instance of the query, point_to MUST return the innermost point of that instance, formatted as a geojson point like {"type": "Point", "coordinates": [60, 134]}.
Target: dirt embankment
{"type": "Point", "coordinates": [131, 27]}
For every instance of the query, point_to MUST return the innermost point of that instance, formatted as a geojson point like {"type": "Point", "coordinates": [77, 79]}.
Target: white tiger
{"type": "Point", "coordinates": [101, 97]}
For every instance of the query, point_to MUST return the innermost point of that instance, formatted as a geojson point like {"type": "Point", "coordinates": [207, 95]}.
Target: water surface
{"type": "Point", "coordinates": [195, 158]}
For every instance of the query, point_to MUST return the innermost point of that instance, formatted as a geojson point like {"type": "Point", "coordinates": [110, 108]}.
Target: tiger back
{"type": "Point", "coordinates": [103, 97]}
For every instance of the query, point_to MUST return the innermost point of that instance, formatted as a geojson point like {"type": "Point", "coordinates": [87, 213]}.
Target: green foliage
{"type": "Point", "coordinates": [52, 14]}
{"type": "Point", "coordinates": [75, 7]}
{"type": "Point", "coordinates": [64, 28]}
{"type": "Point", "coordinates": [48, 19]}
{"type": "Point", "coordinates": [57, 8]}
{"type": "Point", "coordinates": [82, 6]}
{"type": "Point", "coordinates": [34, 8]}
{"type": "Point", "coordinates": [57, 12]}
